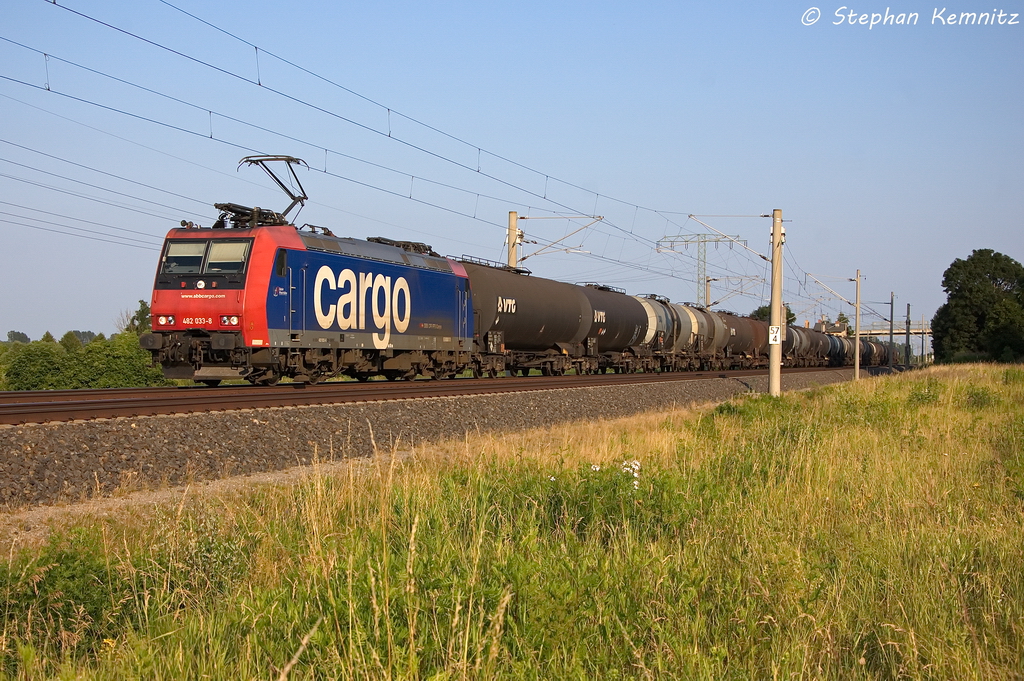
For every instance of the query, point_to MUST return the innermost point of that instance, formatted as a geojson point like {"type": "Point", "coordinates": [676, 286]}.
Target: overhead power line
{"type": "Point", "coordinates": [101, 172]}
{"type": "Point", "coordinates": [80, 236]}
{"type": "Point", "coordinates": [93, 186]}
{"type": "Point", "coordinates": [71, 217]}
{"type": "Point", "coordinates": [363, 126]}
{"type": "Point", "coordinates": [628, 233]}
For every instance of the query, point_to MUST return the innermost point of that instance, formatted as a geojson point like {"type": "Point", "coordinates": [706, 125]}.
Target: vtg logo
{"type": "Point", "coordinates": [389, 305]}
{"type": "Point", "coordinates": [506, 305]}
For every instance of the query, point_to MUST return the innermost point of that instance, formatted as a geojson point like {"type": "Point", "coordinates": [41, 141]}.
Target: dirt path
{"type": "Point", "coordinates": [31, 526]}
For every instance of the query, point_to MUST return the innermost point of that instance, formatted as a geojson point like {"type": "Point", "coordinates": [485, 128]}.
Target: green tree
{"type": "Point", "coordinates": [17, 337]}
{"type": "Point", "coordinates": [85, 337]}
{"type": "Point", "coordinates": [764, 314]}
{"type": "Point", "coordinates": [115, 363]}
{"type": "Point", "coordinates": [6, 352]}
{"type": "Point", "coordinates": [983, 309]}
{"type": "Point", "coordinates": [47, 338]}
{"type": "Point", "coordinates": [1003, 335]}
{"type": "Point", "coordinates": [36, 366]}
{"type": "Point", "coordinates": [137, 322]}
{"type": "Point", "coordinates": [843, 319]}
{"type": "Point", "coordinates": [70, 342]}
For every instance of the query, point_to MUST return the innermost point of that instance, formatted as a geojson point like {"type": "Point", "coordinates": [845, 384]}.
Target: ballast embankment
{"type": "Point", "coordinates": [68, 462]}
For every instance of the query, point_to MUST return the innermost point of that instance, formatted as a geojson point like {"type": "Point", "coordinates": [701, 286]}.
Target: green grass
{"type": "Point", "coordinates": [869, 530]}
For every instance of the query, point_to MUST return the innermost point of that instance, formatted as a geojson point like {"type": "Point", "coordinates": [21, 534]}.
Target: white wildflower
{"type": "Point", "coordinates": [595, 467]}
{"type": "Point", "coordinates": [632, 468]}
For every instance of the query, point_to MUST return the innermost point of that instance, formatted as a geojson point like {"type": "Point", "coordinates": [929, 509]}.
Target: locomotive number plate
{"type": "Point", "coordinates": [197, 321]}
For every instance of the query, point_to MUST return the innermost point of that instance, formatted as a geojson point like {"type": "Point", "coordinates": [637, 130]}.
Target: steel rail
{"type": "Point", "coordinates": [45, 406]}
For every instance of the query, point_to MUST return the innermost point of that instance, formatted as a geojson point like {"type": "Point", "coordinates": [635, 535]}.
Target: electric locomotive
{"type": "Point", "coordinates": [254, 297]}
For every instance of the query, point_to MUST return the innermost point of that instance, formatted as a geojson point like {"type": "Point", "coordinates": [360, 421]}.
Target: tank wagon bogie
{"type": "Point", "coordinates": [257, 298]}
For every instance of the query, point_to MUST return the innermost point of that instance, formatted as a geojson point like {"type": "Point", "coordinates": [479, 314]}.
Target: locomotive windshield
{"type": "Point", "coordinates": [227, 257]}
{"type": "Point", "coordinates": [184, 257]}
{"type": "Point", "coordinates": [201, 256]}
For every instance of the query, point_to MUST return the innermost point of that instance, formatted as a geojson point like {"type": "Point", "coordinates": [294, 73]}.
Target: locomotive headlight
{"type": "Point", "coordinates": [165, 320]}
{"type": "Point", "coordinates": [229, 320]}
{"type": "Point", "coordinates": [162, 320]}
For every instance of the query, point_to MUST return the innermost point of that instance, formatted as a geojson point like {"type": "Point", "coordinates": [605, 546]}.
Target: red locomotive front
{"type": "Point", "coordinates": [208, 307]}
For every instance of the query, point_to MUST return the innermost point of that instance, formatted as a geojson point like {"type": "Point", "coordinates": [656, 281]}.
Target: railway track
{"type": "Point", "coordinates": [45, 406]}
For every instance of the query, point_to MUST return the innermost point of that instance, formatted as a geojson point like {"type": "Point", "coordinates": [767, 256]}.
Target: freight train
{"type": "Point", "coordinates": [257, 298]}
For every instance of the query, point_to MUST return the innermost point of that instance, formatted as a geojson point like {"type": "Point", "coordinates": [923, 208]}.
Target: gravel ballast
{"type": "Point", "coordinates": [67, 462]}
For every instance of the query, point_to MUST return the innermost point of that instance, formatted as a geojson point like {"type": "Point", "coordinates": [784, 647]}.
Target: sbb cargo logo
{"type": "Point", "coordinates": [390, 304]}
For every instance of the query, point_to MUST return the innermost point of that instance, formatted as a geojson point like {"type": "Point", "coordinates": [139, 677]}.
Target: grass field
{"type": "Point", "coordinates": [861, 531]}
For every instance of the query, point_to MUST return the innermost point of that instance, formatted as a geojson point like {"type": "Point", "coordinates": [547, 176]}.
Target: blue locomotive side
{"type": "Point", "coordinates": [324, 299]}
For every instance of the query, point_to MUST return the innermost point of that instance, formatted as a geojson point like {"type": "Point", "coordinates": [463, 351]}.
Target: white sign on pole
{"type": "Point", "coordinates": [774, 335]}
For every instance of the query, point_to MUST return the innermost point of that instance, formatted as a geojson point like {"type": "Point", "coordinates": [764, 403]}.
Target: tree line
{"type": "Point", "coordinates": [80, 359]}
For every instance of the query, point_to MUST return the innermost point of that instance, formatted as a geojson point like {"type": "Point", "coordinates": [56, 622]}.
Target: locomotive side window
{"type": "Point", "coordinates": [227, 257]}
{"type": "Point", "coordinates": [184, 257]}
{"type": "Point", "coordinates": [281, 263]}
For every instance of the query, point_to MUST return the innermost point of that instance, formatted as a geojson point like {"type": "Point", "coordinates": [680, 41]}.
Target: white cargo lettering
{"type": "Point", "coordinates": [324, 319]}
{"type": "Point", "coordinates": [390, 304]}
{"type": "Point", "coordinates": [506, 305]}
{"type": "Point", "coordinates": [381, 318]}
{"type": "Point", "coordinates": [600, 317]}
{"type": "Point", "coordinates": [348, 301]}
{"type": "Point", "coordinates": [401, 323]}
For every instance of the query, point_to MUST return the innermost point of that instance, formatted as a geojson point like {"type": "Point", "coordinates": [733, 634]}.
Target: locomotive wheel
{"type": "Point", "coordinates": [264, 377]}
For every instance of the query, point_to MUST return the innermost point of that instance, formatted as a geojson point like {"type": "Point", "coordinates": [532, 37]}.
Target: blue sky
{"type": "Point", "coordinates": [890, 149]}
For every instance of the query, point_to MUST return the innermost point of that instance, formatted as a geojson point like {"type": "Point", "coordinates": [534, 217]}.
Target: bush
{"type": "Point", "coordinates": [38, 365]}
{"type": "Point", "coordinates": [115, 363]}
{"type": "Point", "coordinates": [966, 357]}
{"type": "Point", "coordinates": [68, 594]}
